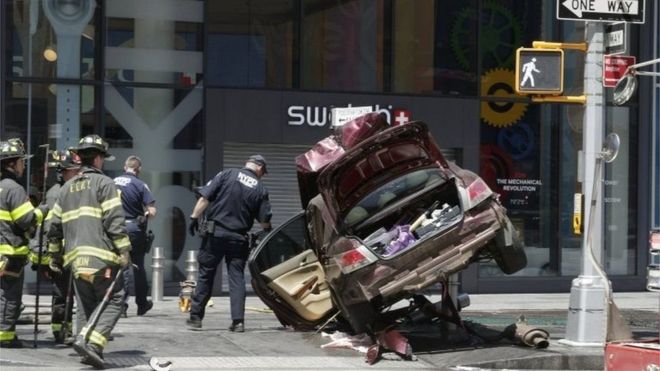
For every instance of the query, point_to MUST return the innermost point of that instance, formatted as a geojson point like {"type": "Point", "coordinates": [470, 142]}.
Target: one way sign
{"type": "Point", "coordinates": [601, 10]}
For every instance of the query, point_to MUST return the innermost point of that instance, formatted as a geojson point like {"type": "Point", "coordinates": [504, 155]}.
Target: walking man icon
{"type": "Point", "coordinates": [527, 70]}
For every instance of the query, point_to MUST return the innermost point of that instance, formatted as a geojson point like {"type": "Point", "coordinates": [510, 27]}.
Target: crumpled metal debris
{"type": "Point", "coordinates": [360, 342]}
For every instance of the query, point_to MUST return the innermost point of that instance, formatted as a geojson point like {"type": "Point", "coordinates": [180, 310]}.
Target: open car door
{"type": "Point", "coordinates": [287, 276]}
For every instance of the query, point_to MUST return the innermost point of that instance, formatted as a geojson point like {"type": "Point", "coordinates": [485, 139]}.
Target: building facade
{"type": "Point", "coordinates": [193, 87]}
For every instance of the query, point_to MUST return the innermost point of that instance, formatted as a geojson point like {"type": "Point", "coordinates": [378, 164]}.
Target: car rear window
{"type": "Point", "coordinates": [393, 191]}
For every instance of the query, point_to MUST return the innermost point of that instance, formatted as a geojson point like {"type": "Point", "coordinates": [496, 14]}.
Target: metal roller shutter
{"type": "Point", "coordinates": [281, 181]}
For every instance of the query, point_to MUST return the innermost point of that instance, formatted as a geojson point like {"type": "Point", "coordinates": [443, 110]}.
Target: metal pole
{"type": "Point", "coordinates": [191, 265]}
{"type": "Point", "coordinates": [158, 266]}
{"type": "Point", "coordinates": [586, 323]}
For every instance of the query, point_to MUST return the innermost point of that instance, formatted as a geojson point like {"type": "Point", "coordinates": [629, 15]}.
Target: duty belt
{"type": "Point", "coordinates": [223, 227]}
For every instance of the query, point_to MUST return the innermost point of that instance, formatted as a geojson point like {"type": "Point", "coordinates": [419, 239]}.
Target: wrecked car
{"type": "Point", "coordinates": [385, 216]}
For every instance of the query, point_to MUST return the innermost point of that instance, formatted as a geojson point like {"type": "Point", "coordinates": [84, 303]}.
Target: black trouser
{"type": "Point", "coordinates": [235, 252]}
{"type": "Point", "coordinates": [11, 292]}
{"type": "Point", "coordinates": [60, 312]}
{"type": "Point", "coordinates": [138, 238]}
{"type": "Point", "coordinates": [89, 295]}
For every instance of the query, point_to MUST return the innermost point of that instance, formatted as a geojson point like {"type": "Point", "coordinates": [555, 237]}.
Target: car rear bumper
{"type": "Point", "coordinates": [451, 260]}
{"type": "Point", "coordinates": [430, 262]}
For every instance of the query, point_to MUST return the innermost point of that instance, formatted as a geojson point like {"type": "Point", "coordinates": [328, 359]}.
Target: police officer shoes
{"type": "Point", "coordinates": [13, 343]}
{"type": "Point", "coordinates": [194, 324]}
{"type": "Point", "coordinates": [142, 309]}
{"type": "Point", "coordinates": [237, 327]}
{"type": "Point", "coordinates": [91, 354]}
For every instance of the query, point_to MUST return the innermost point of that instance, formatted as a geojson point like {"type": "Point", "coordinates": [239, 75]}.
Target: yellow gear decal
{"type": "Point", "coordinates": [499, 83]}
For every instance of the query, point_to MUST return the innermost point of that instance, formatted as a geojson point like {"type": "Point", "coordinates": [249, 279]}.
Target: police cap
{"type": "Point", "coordinates": [259, 160]}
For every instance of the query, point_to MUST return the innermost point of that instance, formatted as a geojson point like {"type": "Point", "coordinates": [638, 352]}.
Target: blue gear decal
{"type": "Point", "coordinates": [517, 140]}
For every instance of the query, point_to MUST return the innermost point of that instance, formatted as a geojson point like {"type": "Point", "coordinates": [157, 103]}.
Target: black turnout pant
{"type": "Point", "coordinates": [11, 292]}
{"type": "Point", "coordinates": [61, 317]}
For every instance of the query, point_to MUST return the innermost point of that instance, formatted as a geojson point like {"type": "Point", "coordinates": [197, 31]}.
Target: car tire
{"type": "Point", "coordinates": [510, 258]}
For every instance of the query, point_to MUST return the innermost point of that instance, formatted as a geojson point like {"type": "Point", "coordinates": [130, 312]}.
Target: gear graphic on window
{"type": "Point", "coordinates": [500, 34]}
{"type": "Point", "coordinates": [499, 83]}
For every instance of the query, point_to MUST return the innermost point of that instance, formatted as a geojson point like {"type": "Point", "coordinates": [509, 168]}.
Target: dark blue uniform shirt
{"type": "Point", "coordinates": [135, 195]}
{"type": "Point", "coordinates": [236, 198]}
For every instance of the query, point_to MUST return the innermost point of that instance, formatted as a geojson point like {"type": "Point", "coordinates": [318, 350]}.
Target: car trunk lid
{"type": "Point", "coordinates": [374, 162]}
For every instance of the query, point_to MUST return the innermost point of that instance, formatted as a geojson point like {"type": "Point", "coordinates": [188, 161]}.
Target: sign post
{"type": "Point", "coordinates": [585, 325]}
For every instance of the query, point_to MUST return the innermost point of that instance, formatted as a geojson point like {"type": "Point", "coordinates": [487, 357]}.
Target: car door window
{"type": "Point", "coordinates": [284, 243]}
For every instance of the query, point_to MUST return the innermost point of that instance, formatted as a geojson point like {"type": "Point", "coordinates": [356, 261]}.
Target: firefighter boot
{"type": "Point", "coordinates": [13, 343]}
{"type": "Point", "coordinates": [91, 354]}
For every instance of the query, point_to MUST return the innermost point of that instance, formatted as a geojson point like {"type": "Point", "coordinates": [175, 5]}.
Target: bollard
{"type": "Point", "coordinates": [158, 266]}
{"type": "Point", "coordinates": [191, 265]}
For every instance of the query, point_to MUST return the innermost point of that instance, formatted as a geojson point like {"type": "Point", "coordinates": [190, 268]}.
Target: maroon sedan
{"type": "Point", "coordinates": [385, 216]}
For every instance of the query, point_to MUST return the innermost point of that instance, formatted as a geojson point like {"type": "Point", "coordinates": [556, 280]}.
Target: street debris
{"type": "Point", "coordinates": [157, 365]}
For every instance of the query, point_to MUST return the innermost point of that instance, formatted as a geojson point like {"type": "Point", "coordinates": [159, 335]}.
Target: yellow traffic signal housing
{"type": "Point", "coordinates": [539, 71]}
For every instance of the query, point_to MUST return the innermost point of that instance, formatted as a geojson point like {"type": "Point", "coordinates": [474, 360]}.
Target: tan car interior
{"type": "Point", "coordinates": [300, 281]}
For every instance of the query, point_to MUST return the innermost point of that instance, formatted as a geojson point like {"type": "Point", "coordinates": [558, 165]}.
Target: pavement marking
{"type": "Point", "coordinates": [270, 363]}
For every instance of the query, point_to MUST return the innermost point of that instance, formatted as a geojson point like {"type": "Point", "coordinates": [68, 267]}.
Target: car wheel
{"type": "Point", "coordinates": [510, 258]}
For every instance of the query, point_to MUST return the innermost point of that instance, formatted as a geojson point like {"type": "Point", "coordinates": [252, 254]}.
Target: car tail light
{"type": "Point", "coordinates": [478, 191]}
{"type": "Point", "coordinates": [354, 259]}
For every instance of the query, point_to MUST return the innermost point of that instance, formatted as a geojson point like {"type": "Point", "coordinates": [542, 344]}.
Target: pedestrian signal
{"type": "Point", "coordinates": [539, 71]}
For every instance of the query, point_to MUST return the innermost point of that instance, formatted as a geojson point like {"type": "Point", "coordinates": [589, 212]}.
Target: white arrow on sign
{"type": "Point", "coordinates": [602, 6]}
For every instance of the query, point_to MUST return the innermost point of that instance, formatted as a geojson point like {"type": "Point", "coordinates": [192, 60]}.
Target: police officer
{"type": "Point", "coordinates": [139, 206]}
{"type": "Point", "coordinates": [66, 166]}
{"type": "Point", "coordinates": [89, 219]}
{"type": "Point", "coordinates": [236, 197]}
{"type": "Point", "coordinates": [18, 219]}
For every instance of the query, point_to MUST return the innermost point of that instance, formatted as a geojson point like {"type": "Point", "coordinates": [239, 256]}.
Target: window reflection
{"type": "Point", "coordinates": [33, 40]}
{"type": "Point", "coordinates": [250, 43]}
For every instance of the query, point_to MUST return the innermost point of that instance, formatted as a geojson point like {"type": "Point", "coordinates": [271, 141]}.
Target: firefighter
{"type": "Point", "coordinates": [89, 220]}
{"type": "Point", "coordinates": [139, 205]}
{"type": "Point", "coordinates": [18, 221]}
{"type": "Point", "coordinates": [235, 198]}
{"type": "Point", "coordinates": [66, 166]}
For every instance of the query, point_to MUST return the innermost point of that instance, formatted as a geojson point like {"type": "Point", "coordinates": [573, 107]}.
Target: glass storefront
{"type": "Point", "coordinates": [143, 77]}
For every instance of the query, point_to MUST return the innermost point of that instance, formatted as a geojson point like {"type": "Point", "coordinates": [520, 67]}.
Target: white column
{"type": "Point", "coordinates": [587, 319]}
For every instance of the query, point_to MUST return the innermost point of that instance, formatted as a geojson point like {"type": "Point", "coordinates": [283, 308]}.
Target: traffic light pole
{"type": "Point", "coordinates": [587, 316]}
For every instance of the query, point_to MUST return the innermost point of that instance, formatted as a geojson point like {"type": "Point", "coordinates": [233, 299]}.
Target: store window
{"type": "Point", "coordinates": [161, 46]}
{"type": "Point", "coordinates": [529, 152]}
{"type": "Point", "coordinates": [30, 114]}
{"type": "Point", "coordinates": [250, 43]}
{"type": "Point", "coordinates": [52, 39]}
{"type": "Point", "coordinates": [432, 45]}
{"type": "Point", "coordinates": [153, 109]}
{"type": "Point", "coordinates": [342, 45]}
{"type": "Point", "coordinates": [516, 137]}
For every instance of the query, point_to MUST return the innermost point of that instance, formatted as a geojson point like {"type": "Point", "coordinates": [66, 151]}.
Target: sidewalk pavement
{"type": "Point", "coordinates": [266, 344]}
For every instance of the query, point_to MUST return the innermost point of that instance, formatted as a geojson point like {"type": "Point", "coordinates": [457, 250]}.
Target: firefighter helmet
{"type": "Point", "coordinates": [64, 159]}
{"type": "Point", "coordinates": [95, 143]}
{"type": "Point", "coordinates": [13, 148]}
